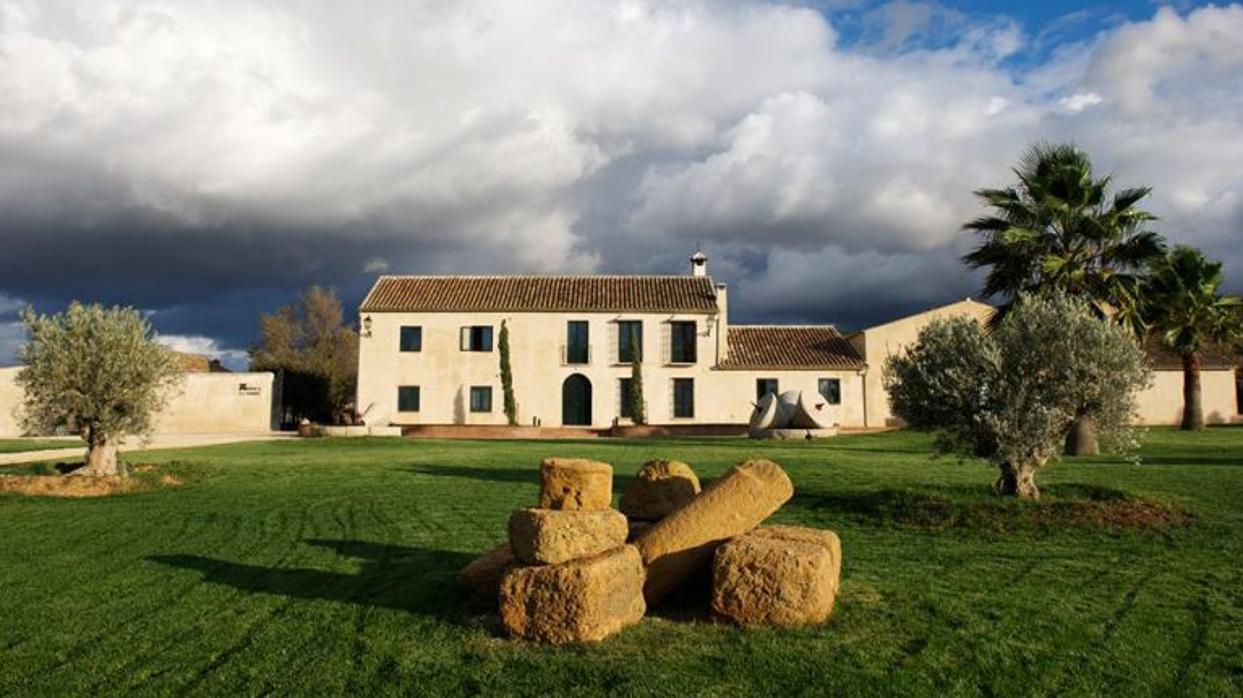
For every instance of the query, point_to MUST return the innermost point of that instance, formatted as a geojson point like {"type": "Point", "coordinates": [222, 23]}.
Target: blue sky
{"type": "Point", "coordinates": [207, 161]}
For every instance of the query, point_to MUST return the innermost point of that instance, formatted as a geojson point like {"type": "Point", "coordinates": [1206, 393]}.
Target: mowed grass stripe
{"type": "Point", "coordinates": [327, 567]}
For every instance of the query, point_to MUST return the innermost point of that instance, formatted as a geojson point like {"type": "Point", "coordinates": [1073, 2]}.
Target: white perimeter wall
{"type": "Point", "coordinates": [206, 403]}
{"type": "Point", "coordinates": [1163, 402]}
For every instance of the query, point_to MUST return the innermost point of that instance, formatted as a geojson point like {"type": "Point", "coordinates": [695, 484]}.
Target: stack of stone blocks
{"type": "Point", "coordinates": [576, 570]}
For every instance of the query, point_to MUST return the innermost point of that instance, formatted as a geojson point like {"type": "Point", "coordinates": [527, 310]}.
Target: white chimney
{"type": "Point", "coordinates": [699, 264]}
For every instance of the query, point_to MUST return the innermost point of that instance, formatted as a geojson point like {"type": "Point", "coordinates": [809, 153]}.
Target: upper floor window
{"type": "Point", "coordinates": [764, 386]}
{"type": "Point", "coordinates": [481, 398]}
{"type": "Point", "coordinates": [407, 398]}
{"type": "Point", "coordinates": [577, 343]}
{"type": "Point", "coordinates": [629, 340]}
{"type": "Point", "coordinates": [682, 342]}
{"type": "Point", "coordinates": [683, 397]}
{"type": "Point", "coordinates": [831, 389]}
{"type": "Point", "coordinates": [411, 338]}
{"type": "Point", "coordinates": [477, 338]}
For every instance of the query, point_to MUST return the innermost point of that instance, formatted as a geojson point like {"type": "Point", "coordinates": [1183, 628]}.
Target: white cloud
{"type": "Point", "coordinates": [563, 135]}
{"type": "Point", "coordinates": [1080, 101]}
{"type": "Point", "coordinates": [236, 359]}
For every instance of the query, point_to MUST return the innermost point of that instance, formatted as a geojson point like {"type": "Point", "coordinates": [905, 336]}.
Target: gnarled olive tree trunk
{"type": "Point", "coordinates": [1193, 408]}
{"type": "Point", "coordinates": [1081, 439]}
{"type": "Point", "coordinates": [101, 456]}
{"type": "Point", "coordinates": [1017, 481]}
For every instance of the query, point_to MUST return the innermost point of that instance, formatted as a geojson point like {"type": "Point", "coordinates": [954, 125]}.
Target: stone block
{"type": "Point", "coordinates": [820, 536]}
{"type": "Point", "coordinates": [551, 536]}
{"type": "Point", "coordinates": [783, 581]}
{"type": "Point", "coordinates": [582, 600]}
{"type": "Point", "coordinates": [484, 573]}
{"type": "Point", "coordinates": [575, 483]}
{"type": "Point", "coordinates": [660, 488]}
{"type": "Point", "coordinates": [683, 542]}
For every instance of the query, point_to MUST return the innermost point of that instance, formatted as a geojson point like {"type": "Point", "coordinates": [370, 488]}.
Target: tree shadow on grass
{"type": "Point", "coordinates": [416, 580]}
{"type": "Point", "coordinates": [967, 507]}
{"type": "Point", "coordinates": [529, 476]}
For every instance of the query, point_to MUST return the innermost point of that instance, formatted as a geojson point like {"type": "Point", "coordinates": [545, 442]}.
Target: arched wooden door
{"type": "Point", "coordinates": [576, 401]}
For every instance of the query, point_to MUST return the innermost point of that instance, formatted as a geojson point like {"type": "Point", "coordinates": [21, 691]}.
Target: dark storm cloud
{"type": "Point", "coordinates": [207, 161]}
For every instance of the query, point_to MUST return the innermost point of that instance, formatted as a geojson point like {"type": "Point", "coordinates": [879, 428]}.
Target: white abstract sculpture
{"type": "Point", "coordinates": [788, 415]}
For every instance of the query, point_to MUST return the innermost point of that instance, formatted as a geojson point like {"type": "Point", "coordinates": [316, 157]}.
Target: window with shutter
{"type": "Point", "coordinates": [682, 342]}
{"type": "Point", "coordinates": [629, 338]}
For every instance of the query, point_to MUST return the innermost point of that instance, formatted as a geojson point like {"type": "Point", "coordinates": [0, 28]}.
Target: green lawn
{"type": "Point", "coordinates": [20, 445]}
{"type": "Point", "coordinates": [328, 567]}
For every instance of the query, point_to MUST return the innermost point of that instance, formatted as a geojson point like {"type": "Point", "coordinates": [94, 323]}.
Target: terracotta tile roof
{"type": "Point", "coordinates": [1163, 359]}
{"type": "Point", "coordinates": [681, 294]}
{"type": "Point", "coordinates": [789, 347]}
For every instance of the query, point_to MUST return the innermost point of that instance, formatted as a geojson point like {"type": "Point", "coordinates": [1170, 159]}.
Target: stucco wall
{"type": "Point", "coordinates": [207, 402]}
{"type": "Point", "coordinates": [445, 373]}
{"type": "Point", "coordinates": [1163, 402]}
{"type": "Point", "coordinates": [10, 400]}
{"type": "Point", "coordinates": [219, 402]}
{"type": "Point", "coordinates": [878, 343]}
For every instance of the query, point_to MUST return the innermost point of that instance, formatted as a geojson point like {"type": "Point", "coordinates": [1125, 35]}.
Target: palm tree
{"type": "Point", "coordinates": [1187, 309]}
{"type": "Point", "coordinates": [1058, 229]}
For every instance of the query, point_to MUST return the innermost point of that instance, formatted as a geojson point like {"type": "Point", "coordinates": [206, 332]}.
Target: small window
{"type": "Point", "coordinates": [477, 338]}
{"type": "Point", "coordinates": [764, 386]}
{"type": "Point", "coordinates": [481, 398]}
{"type": "Point", "coordinates": [682, 347]}
{"type": "Point", "coordinates": [411, 338]}
{"type": "Point", "coordinates": [831, 389]}
{"type": "Point", "coordinates": [408, 398]}
{"type": "Point", "coordinates": [626, 385]}
{"type": "Point", "coordinates": [576, 342]}
{"type": "Point", "coordinates": [683, 397]}
{"type": "Point", "coordinates": [629, 338]}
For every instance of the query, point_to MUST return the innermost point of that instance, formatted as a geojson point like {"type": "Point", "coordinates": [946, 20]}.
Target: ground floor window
{"type": "Point", "coordinates": [625, 390]}
{"type": "Point", "coordinates": [481, 398]}
{"type": "Point", "coordinates": [831, 389]}
{"type": "Point", "coordinates": [683, 397]}
{"type": "Point", "coordinates": [407, 398]}
{"type": "Point", "coordinates": [764, 386]}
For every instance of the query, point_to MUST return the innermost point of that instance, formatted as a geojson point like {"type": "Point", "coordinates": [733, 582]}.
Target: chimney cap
{"type": "Point", "coordinates": [699, 264]}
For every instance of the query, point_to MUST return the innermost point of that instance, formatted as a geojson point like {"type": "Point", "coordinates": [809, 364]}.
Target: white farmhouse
{"type": "Point", "coordinates": [429, 355]}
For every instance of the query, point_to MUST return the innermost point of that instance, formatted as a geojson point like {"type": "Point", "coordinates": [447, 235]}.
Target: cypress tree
{"type": "Point", "coordinates": [507, 377]}
{"type": "Point", "coordinates": [638, 413]}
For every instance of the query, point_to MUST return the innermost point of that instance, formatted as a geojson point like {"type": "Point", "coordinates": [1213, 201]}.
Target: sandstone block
{"type": "Point", "coordinates": [820, 536]}
{"type": "Point", "coordinates": [683, 542]}
{"type": "Point", "coordinates": [660, 488]}
{"type": "Point", "coordinates": [582, 600]}
{"type": "Point", "coordinates": [780, 581]}
{"type": "Point", "coordinates": [551, 536]}
{"type": "Point", "coordinates": [575, 483]}
{"type": "Point", "coordinates": [484, 573]}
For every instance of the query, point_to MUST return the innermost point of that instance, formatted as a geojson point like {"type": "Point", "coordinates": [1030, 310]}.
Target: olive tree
{"type": "Point", "coordinates": [1010, 393]}
{"type": "Point", "coordinates": [97, 371]}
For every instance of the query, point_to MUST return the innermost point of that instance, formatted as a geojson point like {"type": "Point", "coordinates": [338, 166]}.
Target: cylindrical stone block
{"type": "Point", "coordinates": [683, 542]}
{"type": "Point", "coordinates": [575, 483]}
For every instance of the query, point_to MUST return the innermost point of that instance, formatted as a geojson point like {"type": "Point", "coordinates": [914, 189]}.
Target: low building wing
{"type": "Point", "coordinates": [623, 294]}
{"type": "Point", "coordinates": [789, 347]}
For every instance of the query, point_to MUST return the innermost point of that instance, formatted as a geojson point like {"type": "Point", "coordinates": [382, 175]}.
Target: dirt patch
{"type": "Point", "coordinates": [81, 486]}
{"type": "Point", "coordinates": [61, 486]}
